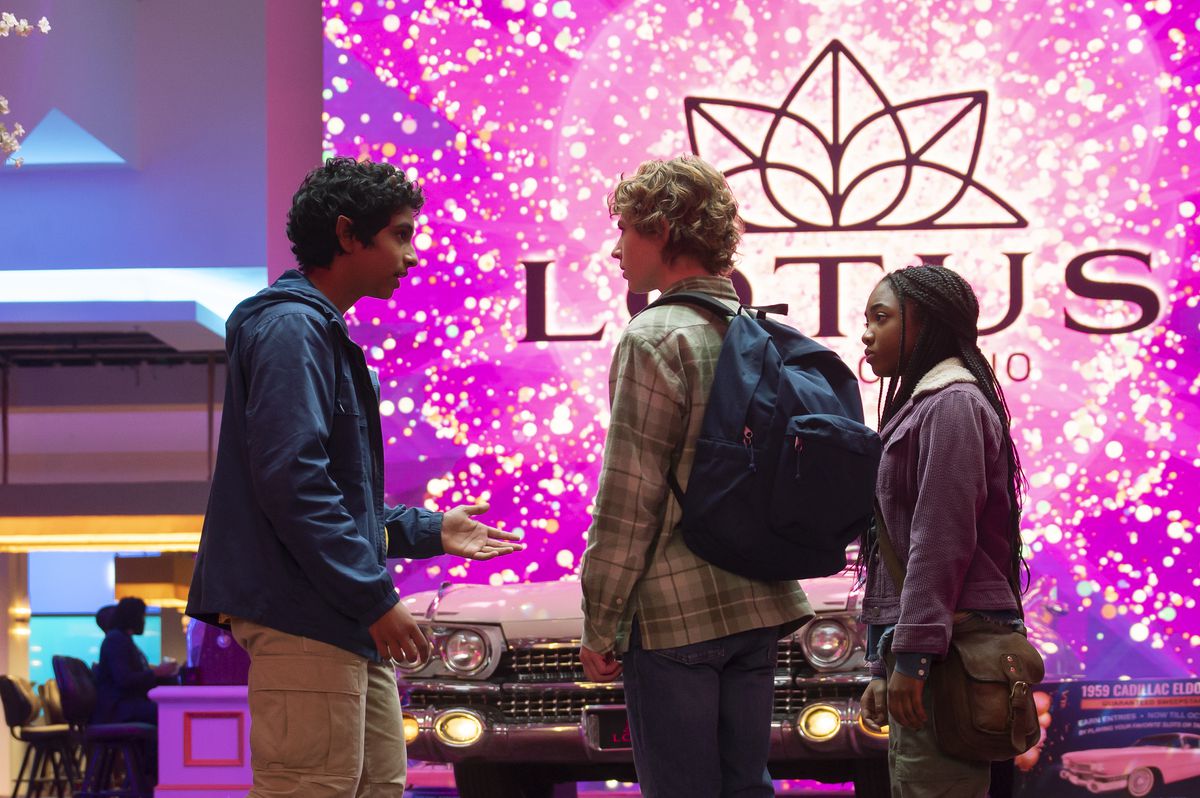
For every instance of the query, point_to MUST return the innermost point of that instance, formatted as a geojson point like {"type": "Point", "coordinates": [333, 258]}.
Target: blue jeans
{"type": "Point", "coordinates": [700, 715]}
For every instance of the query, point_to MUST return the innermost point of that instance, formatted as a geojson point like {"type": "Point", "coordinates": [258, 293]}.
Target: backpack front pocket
{"type": "Point", "coordinates": [825, 480]}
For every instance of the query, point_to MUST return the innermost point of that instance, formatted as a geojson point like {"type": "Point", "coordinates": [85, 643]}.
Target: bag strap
{"type": "Point", "coordinates": [714, 305]}
{"type": "Point", "coordinates": [699, 299]}
{"type": "Point", "coordinates": [896, 568]}
{"type": "Point", "coordinates": [696, 299]}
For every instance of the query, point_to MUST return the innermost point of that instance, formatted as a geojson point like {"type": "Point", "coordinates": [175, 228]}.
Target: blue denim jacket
{"type": "Point", "coordinates": [294, 535]}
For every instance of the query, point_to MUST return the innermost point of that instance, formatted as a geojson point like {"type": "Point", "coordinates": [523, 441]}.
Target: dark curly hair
{"type": "Point", "coordinates": [694, 200]}
{"type": "Point", "coordinates": [130, 613]}
{"type": "Point", "coordinates": [949, 314]}
{"type": "Point", "coordinates": [367, 193]}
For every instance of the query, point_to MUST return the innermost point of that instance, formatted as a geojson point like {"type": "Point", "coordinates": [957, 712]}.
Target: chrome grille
{"type": "Point", "coordinates": [561, 664]}
{"type": "Point", "coordinates": [554, 706]}
{"type": "Point", "coordinates": [541, 686]}
{"type": "Point", "coordinates": [547, 664]}
{"type": "Point", "coordinates": [791, 655]}
{"type": "Point", "coordinates": [417, 698]}
{"type": "Point", "coordinates": [791, 699]}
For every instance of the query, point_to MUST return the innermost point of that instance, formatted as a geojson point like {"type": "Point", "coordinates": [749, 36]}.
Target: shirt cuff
{"type": "Point", "coordinates": [913, 664]}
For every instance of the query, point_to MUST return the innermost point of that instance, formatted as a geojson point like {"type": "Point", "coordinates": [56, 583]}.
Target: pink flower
{"type": "Point", "coordinates": [8, 143]}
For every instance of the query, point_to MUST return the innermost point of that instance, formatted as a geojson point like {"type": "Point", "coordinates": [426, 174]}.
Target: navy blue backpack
{"type": "Point", "coordinates": [784, 475]}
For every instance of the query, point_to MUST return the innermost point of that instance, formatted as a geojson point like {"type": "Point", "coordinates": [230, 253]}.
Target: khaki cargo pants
{"type": "Point", "coordinates": [919, 768]}
{"type": "Point", "coordinates": [325, 723]}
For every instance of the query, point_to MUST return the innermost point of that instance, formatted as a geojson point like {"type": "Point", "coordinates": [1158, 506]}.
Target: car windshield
{"type": "Point", "coordinates": [1166, 740]}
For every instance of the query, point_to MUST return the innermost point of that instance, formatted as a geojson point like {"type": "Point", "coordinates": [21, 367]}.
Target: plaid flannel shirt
{"type": "Point", "coordinates": [636, 562]}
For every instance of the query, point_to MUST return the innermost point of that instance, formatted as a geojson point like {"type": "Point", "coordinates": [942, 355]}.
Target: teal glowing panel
{"type": "Point", "coordinates": [78, 636]}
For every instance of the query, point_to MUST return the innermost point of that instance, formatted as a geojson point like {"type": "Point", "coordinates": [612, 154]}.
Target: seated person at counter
{"type": "Point", "coordinates": [124, 676]}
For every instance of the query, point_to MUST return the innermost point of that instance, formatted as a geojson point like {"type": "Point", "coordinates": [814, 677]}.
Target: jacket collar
{"type": "Point", "coordinates": [720, 287]}
{"type": "Point", "coordinates": [942, 375]}
{"type": "Point", "coordinates": [946, 373]}
{"type": "Point", "coordinates": [292, 286]}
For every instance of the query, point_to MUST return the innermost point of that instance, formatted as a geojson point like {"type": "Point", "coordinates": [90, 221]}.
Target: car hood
{"type": "Point", "coordinates": [553, 611]}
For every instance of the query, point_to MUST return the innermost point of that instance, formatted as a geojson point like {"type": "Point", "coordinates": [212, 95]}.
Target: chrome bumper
{"type": "Point", "coordinates": [1093, 782]}
{"type": "Point", "coordinates": [509, 741]}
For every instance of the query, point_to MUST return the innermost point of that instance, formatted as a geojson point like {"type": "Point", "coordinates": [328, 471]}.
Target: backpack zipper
{"type": "Point", "coordinates": [748, 442]}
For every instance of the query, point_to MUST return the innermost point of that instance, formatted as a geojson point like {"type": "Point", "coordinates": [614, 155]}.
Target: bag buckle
{"type": "Point", "coordinates": [1020, 690]}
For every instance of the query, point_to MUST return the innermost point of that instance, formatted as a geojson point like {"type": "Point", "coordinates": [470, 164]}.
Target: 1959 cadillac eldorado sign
{"type": "Point", "coordinates": [1138, 769]}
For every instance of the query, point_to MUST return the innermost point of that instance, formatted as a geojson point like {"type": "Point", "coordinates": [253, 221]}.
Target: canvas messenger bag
{"type": "Point", "coordinates": [982, 692]}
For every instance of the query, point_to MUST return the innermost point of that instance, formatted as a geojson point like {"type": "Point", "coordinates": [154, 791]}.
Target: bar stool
{"type": "Point", "coordinates": [107, 744]}
{"type": "Point", "coordinates": [46, 746]}
{"type": "Point", "coordinates": [53, 713]}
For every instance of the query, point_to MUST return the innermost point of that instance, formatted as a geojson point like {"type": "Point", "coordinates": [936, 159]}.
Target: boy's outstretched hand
{"type": "Point", "coordinates": [462, 535]}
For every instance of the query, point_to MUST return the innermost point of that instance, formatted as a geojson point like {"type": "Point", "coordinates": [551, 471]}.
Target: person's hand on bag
{"type": "Point", "coordinates": [397, 636]}
{"type": "Point", "coordinates": [904, 700]}
{"type": "Point", "coordinates": [874, 702]}
{"type": "Point", "coordinates": [465, 537]}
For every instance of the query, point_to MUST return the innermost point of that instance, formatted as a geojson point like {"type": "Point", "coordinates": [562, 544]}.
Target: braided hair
{"type": "Point", "coordinates": [949, 314]}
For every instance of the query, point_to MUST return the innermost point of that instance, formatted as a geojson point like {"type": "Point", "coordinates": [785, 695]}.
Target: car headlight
{"type": "Point", "coordinates": [828, 643]}
{"type": "Point", "coordinates": [412, 728]}
{"type": "Point", "coordinates": [458, 727]}
{"type": "Point", "coordinates": [819, 722]}
{"type": "Point", "coordinates": [464, 651]}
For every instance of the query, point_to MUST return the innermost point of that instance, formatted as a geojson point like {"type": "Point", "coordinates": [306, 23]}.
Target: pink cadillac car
{"type": "Point", "coordinates": [504, 700]}
{"type": "Point", "coordinates": [1138, 769]}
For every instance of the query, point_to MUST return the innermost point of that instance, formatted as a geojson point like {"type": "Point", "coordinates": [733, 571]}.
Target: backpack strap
{"type": "Point", "coordinates": [696, 299]}
{"type": "Point", "coordinates": [699, 299]}
{"type": "Point", "coordinates": [714, 305]}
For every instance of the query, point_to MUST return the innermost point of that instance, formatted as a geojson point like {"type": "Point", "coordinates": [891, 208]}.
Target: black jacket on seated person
{"type": "Point", "coordinates": [123, 678]}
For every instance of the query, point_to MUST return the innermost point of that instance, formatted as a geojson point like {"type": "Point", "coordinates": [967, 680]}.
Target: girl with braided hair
{"type": "Point", "coordinates": [949, 492]}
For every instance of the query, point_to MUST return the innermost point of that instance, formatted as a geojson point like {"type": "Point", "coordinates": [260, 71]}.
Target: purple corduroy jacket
{"type": "Point", "coordinates": [942, 489]}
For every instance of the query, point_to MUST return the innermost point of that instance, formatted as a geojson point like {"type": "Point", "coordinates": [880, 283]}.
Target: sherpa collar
{"type": "Point", "coordinates": [948, 372]}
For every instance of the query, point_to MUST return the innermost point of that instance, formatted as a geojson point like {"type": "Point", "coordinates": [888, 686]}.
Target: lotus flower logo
{"type": "Point", "coordinates": [837, 155]}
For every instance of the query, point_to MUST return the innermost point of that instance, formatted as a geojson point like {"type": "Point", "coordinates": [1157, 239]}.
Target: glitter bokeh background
{"type": "Point", "coordinates": [518, 117]}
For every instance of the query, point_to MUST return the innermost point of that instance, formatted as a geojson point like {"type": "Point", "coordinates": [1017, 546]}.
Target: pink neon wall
{"type": "Point", "coordinates": [519, 115]}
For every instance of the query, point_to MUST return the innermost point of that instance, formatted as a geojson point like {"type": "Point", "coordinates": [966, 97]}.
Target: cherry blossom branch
{"type": "Point", "coordinates": [9, 24]}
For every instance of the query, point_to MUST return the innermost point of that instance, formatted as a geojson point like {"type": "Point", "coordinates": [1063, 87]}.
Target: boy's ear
{"type": "Point", "coordinates": [345, 233]}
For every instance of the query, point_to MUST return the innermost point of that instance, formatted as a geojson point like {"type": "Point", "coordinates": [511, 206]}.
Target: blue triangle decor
{"type": "Point", "coordinates": [58, 140]}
